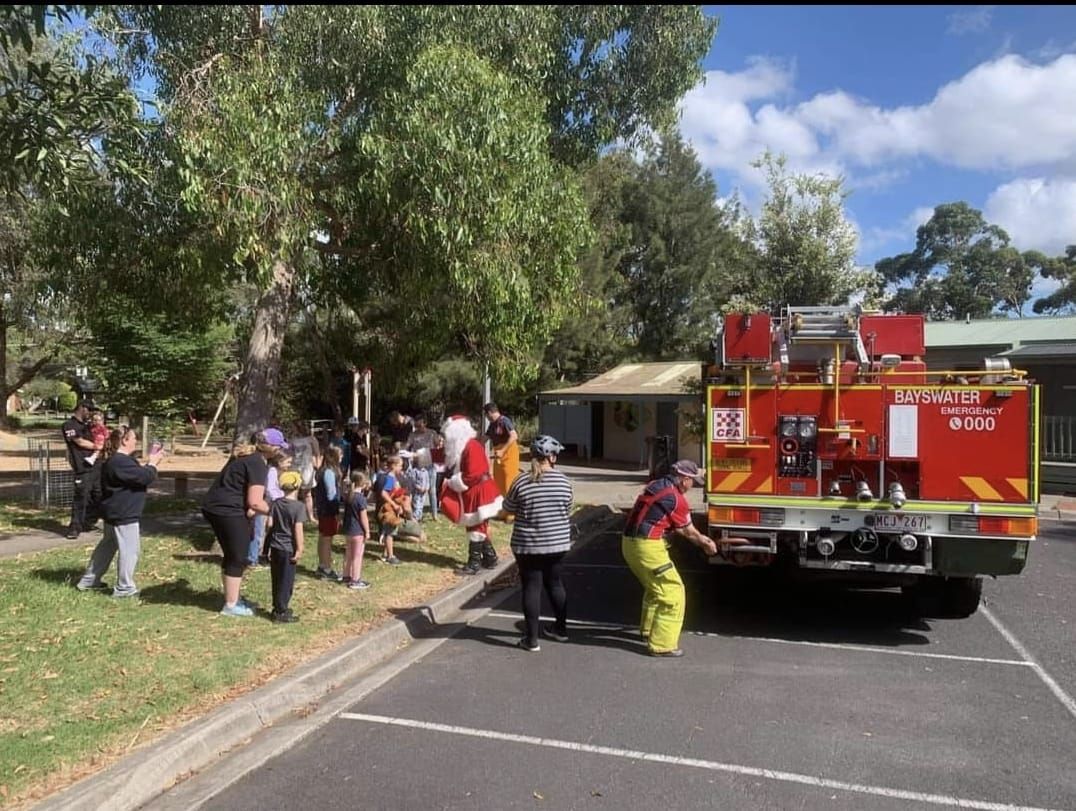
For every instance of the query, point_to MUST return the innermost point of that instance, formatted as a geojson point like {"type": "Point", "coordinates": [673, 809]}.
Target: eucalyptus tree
{"type": "Point", "coordinates": [805, 244]}
{"type": "Point", "coordinates": [1063, 270]}
{"type": "Point", "coordinates": [59, 108]}
{"type": "Point", "coordinates": [427, 152]}
{"type": "Point", "coordinates": [962, 266]}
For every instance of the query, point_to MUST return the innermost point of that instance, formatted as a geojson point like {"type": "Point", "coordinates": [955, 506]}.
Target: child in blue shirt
{"type": "Point", "coordinates": [389, 510]}
{"type": "Point", "coordinates": [356, 530]}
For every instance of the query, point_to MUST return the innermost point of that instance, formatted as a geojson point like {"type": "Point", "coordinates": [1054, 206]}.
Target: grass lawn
{"type": "Point", "coordinates": [85, 678]}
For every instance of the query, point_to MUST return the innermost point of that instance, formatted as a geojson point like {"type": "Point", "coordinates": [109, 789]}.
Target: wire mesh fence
{"type": "Point", "coordinates": [50, 473]}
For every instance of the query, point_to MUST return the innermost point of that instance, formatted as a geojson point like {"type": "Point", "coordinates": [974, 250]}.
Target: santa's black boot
{"type": "Point", "coordinates": [489, 555]}
{"type": "Point", "coordinates": [474, 559]}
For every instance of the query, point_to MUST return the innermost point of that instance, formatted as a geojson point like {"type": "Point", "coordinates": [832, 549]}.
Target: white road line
{"type": "Point", "coordinates": [731, 768]}
{"type": "Point", "coordinates": [1047, 679]}
{"type": "Point", "coordinates": [802, 642]}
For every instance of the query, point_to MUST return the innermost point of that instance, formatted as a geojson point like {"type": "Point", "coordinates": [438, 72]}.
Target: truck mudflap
{"type": "Point", "coordinates": [936, 541]}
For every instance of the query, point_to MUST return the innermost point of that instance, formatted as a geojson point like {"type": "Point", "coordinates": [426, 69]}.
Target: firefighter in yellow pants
{"type": "Point", "coordinates": [659, 509]}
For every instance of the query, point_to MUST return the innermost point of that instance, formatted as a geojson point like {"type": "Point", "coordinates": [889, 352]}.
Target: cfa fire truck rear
{"type": "Point", "coordinates": [832, 448]}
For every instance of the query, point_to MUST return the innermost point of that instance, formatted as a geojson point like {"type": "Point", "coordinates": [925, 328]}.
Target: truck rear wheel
{"type": "Point", "coordinates": [947, 597]}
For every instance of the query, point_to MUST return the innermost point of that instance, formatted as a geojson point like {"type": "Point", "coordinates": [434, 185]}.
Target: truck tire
{"type": "Point", "coordinates": [947, 597]}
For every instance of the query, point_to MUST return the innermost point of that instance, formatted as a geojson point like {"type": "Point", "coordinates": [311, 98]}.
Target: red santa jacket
{"type": "Point", "coordinates": [470, 497]}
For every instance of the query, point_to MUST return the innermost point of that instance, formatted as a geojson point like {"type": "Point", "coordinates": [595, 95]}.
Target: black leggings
{"type": "Point", "coordinates": [233, 534]}
{"type": "Point", "coordinates": [536, 571]}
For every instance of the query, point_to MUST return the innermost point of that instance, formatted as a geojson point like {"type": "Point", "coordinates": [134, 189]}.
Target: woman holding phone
{"type": "Point", "coordinates": [123, 488]}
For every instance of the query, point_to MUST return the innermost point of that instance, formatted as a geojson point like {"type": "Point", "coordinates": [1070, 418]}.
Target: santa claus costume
{"type": "Point", "coordinates": [469, 496]}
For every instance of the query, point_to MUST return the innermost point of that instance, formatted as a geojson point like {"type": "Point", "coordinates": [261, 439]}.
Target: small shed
{"type": "Point", "coordinates": [623, 414]}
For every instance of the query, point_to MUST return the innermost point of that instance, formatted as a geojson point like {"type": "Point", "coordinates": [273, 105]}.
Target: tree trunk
{"type": "Point", "coordinates": [261, 369]}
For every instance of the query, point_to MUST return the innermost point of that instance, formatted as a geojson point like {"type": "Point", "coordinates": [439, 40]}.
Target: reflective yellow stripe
{"type": "Point", "coordinates": [766, 486]}
{"type": "Point", "coordinates": [1019, 485]}
{"type": "Point", "coordinates": [1036, 450]}
{"type": "Point", "coordinates": [981, 487]}
{"type": "Point", "coordinates": [734, 480]}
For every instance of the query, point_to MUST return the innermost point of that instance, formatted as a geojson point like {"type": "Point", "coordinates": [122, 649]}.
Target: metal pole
{"type": "Point", "coordinates": [145, 437]}
{"type": "Point", "coordinates": [216, 416]}
{"type": "Point", "coordinates": [367, 376]}
{"type": "Point", "coordinates": [486, 397]}
{"type": "Point", "coordinates": [355, 393]}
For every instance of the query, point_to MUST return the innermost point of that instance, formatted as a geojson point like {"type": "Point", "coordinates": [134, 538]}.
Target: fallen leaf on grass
{"type": "Point", "coordinates": [50, 675]}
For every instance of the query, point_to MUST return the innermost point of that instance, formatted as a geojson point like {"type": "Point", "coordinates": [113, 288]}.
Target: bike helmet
{"type": "Point", "coordinates": [545, 445]}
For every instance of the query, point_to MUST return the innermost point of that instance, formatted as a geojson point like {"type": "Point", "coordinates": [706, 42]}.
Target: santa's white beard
{"type": "Point", "coordinates": [457, 434]}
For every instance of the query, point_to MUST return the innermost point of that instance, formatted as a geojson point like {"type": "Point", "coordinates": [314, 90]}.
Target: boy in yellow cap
{"type": "Point", "coordinates": [286, 517]}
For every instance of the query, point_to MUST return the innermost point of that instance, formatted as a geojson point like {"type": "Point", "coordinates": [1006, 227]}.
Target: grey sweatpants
{"type": "Point", "coordinates": [125, 539]}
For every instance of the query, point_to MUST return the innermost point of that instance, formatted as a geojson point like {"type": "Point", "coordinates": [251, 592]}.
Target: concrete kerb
{"type": "Point", "coordinates": [143, 775]}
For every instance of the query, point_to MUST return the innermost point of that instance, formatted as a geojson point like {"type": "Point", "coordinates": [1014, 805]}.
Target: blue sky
{"type": "Point", "coordinates": [913, 105]}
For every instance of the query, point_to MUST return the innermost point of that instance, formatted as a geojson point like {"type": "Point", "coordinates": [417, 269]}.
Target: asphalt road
{"type": "Point", "coordinates": [789, 697]}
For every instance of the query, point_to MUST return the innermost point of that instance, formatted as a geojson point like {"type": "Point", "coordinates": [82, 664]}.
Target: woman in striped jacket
{"type": "Point", "coordinates": [541, 536]}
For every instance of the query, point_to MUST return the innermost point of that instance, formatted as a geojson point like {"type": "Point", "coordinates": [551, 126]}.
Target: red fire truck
{"type": "Point", "coordinates": [832, 448]}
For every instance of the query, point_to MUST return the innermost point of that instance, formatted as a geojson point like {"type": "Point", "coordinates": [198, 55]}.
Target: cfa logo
{"type": "Point", "coordinates": [727, 425]}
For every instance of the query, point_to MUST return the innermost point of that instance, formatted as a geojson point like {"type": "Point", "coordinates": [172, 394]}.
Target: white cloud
{"type": "Point", "coordinates": [1007, 113]}
{"type": "Point", "coordinates": [718, 120]}
{"type": "Point", "coordinates": [1038, 213]}
{"type": "Point", "coordinates": [1052, 50]}
{"type": "Point", "coordinates": [921, 216]}
{"type": "Point", "coordinates": [972, 21]}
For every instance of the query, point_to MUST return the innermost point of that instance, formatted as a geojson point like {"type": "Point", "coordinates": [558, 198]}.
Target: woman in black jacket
{"type": "Point", "coordinates": [123, 486]}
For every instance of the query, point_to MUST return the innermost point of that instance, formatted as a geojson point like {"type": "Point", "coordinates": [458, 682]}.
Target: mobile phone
{"type": "Point", "coordinates": [156, 447]}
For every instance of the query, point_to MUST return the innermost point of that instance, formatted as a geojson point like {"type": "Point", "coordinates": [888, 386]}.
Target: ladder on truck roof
{"type": "Point", "coordinates": [833, 326]}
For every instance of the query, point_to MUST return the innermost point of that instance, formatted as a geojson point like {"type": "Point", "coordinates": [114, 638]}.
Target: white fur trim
{"type": "Point", "coordinates": [476, 537]}
{"type": "Point", "coordinates": [456, 483]}
{"type": "Point", "coordinates": [483, 513]}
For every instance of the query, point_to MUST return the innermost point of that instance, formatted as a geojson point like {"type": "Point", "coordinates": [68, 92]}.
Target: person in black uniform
{"type": "Point", "coordinates": [81, 455]}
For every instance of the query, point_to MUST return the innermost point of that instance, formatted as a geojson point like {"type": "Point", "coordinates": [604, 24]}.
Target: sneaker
{"type": "Point", "coordinates": [123, 595]}
{"type": "Point", "coordinates": [71, 534]}
{"type": "Point", "coordinates": [550, 633]}
{"type": "Point", "coordinates": [391, 560]}
{"type": "Point", "coordinates": [675, 653]}
{"type": "Point", "coordinates": [327, 574]}
{"type": "Point", "coordinates": [237, 610]}
{"type": "Point", "coordinates": [358, 585]}
{"type": "Point", "coordinates": [527, 646]}
{"type": "Point", "coordinates": [287, 616]}
{"type": "Point", "coordinates": [100, 585]}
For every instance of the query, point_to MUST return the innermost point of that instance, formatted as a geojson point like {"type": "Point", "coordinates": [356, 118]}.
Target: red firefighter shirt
{"type": "Point", "coordinates": [661, 507]}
